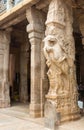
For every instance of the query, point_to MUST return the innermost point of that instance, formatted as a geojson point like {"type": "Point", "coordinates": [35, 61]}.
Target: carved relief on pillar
{"type": "Point", "coordinates": [59, 50]}
{"type": "Point", "coordinates": [56, 13]}
{"type": "Point", "coordinates": [57, 63]}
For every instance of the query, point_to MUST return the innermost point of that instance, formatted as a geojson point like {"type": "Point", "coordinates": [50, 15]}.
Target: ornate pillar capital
{"type": "Point", "coordinates": [36, 20]}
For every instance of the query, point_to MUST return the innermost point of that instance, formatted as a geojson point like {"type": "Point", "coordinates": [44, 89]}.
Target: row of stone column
{"type": "Point", "coordinates": [35, 29]}
{"type": "Point", "coordinates": [39, 83]}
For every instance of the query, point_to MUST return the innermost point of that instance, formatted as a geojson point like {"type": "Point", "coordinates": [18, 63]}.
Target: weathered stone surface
{"type": "Point", "coordinates": [36, 29]}
{"type": "Point", "coordinates": [52, 118]}
{"type": "Point", "coordinates": [2, 6]}
{"type": "Point", "coordinates": [8, 120]}
{"type": "Point", "coordinates": [24, 71]}
{"type": "Point", "coordinates": [59, 51]}
{"type": "Point", "coordinates": [4, 58]}
{"type": "Point", "coordinates": [10, 4]}
{"type": "Point", "coordinates": [12, 13]}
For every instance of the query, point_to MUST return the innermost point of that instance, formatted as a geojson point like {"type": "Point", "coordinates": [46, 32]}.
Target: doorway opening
{"type": "Point", "coordinates": [19, 65]}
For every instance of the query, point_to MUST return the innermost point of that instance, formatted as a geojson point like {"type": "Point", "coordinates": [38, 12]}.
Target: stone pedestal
{"type": "Point", "coordinates": [52, 117]}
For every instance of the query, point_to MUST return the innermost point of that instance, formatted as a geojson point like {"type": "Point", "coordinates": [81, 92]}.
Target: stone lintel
{"type": "Point", "coordinates": [12, 13]}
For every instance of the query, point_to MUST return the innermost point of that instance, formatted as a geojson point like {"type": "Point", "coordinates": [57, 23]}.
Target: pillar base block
{"type": "Point", "coordinates": [35, 110]}
{"type": "Point", "coordinates": [4, 104]}
{"type": "Point", "coordinates": [70, 117]}
{"type": "Point", "coordinates": [63, 105]}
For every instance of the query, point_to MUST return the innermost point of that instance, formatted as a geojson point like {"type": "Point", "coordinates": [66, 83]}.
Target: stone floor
{"type": "Point", "coordinates": [17, 118]}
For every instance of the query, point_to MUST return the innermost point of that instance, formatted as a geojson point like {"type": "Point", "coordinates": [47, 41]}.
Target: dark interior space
{"type": "Point", "coordinates": [19, 64]}
{"type": "Point", "coordinates": [79, 64]}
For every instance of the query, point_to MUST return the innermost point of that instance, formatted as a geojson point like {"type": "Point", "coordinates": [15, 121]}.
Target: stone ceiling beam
{"type": "Point", "coordinates": [17, 10]}
{"type": "Point", "coordinates": [42, 4]}
{"type": "Point", "coordinates": [14, 21]}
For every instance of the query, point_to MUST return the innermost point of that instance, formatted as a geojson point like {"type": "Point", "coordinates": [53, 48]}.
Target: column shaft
{"type": "Point", "coordinates": [4, 62]}
{"type": "Point", "coordinates": [35, 31]}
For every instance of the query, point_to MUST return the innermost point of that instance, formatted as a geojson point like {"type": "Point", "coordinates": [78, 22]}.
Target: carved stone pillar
{"type": "Point", "coordinates": [35, 31]}
{"type": "Point", "coordinates": [59, 51]}
{"type": "Point", "coordinates": [4, 61]}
